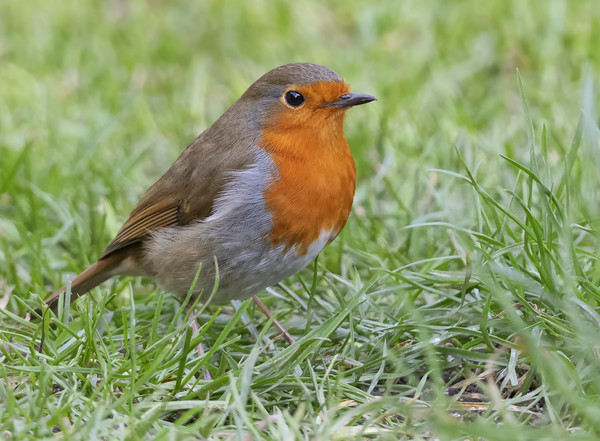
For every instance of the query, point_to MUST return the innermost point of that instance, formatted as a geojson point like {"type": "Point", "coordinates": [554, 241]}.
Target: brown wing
{"type": "Point", "coordinates": [187, 190]}
{"type": "Point", "coordinates": [163, 214]}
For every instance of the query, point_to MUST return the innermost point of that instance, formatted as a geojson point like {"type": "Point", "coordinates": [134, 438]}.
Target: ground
{"type": "Point", "coordinates": [460, 301]}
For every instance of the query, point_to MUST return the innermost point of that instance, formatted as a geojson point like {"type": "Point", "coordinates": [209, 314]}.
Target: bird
{"type": "Point", "coordinates": [249, 202]}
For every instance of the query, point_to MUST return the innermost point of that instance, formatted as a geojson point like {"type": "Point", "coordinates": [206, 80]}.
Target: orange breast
{"type": "Point", "coordinates": [314, 189]}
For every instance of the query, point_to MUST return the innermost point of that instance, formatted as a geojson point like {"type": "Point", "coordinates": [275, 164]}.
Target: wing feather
{"type": "Point", "coordinates": [186, 192]}
{"type": "Point", "coordinates": [161, 215]}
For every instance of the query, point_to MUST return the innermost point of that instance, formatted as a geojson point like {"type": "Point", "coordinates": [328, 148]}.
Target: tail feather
{"type": "Point", "coordinates": [93, 276]}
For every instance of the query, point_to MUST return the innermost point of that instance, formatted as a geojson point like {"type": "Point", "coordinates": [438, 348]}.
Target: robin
{"type": "Point", "coordinates": [254, 198]}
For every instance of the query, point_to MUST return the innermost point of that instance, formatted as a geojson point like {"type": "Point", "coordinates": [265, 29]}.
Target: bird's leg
{"type": "Point", "coordinates": [286, 335]}
{"type": "Point", "coordinates": [199, 347]}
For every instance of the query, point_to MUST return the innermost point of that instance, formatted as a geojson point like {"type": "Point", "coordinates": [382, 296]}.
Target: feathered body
{"type": "Point", "coordinates": [262, 191]}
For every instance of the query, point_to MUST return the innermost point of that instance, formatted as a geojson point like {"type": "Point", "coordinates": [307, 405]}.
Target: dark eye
{"type": "Point", "coordinates": [294, 98]}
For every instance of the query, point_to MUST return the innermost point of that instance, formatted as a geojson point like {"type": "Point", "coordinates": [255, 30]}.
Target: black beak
{"type": "Point", "coordinates": [351, 99]}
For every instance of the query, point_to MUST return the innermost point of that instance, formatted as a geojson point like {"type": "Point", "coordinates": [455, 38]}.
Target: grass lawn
{"type": "Point", "coordinates": [460, 302]}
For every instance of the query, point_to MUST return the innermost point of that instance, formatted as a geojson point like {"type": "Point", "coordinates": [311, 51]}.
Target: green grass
{"type": "Point", "coordinates": [460, 302]}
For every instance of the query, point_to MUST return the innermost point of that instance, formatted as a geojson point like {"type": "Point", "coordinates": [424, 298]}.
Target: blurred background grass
{"type": "Point", "coordinates": [97, 98]}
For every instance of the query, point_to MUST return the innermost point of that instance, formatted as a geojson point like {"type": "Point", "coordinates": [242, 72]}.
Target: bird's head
{"type": "Point", "coordinates": [301, 100]}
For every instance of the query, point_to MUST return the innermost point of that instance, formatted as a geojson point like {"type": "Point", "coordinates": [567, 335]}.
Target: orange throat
{"type": "Point", "coordinates": [313, 189]}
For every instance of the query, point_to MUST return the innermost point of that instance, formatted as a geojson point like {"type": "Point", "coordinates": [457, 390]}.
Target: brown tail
{"type": "Point", "coordinates": [97, 273]}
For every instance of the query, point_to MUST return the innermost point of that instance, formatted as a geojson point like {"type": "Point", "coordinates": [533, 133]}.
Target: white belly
{"type": "Point", "coordinates": [244, 267]}
{"type": "Point", "coordinates": [237, 236]}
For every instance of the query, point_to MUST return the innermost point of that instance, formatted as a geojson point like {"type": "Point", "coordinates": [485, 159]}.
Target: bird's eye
{"type": "Point", "coordinates": [294, 98]}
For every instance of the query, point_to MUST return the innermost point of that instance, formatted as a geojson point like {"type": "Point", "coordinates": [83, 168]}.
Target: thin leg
{"type": "Point", "coordinates": [200, 348]}
{"type": "Point", "coordinates": [286, 335]}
